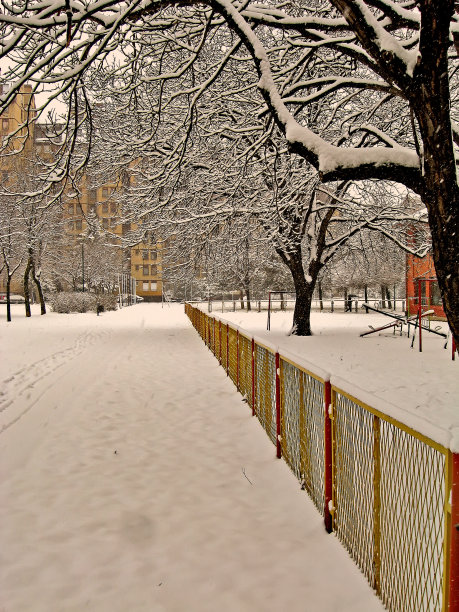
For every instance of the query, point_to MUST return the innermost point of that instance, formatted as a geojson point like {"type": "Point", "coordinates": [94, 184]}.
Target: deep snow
{"type": "Point", "coordinates": [133, 478]}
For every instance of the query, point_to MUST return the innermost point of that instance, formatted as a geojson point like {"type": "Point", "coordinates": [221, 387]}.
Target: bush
{"type": "Point", "coordinates": [66, 302]}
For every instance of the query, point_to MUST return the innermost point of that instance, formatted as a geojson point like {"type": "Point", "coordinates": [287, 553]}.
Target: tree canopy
{"type": "Point", "coordinates": [360, 89]}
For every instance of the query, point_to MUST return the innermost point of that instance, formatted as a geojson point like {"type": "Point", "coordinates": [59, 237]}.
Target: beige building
{"type": "Point", "coordinates": [101, 205]}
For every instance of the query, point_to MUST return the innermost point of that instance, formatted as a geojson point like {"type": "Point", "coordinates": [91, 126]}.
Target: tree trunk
{"type": "Point", "coordinates": [389, 304]}
{"type": "Point", "coordinates": [431, 102]}
{"type": "Point", "coordinates": [247, 294]}
{"type": "Point", "coordinates": [36, 280]}
{"type": "Point", "coordinates": [383, 296]}
{"type": "Point", "coordinates": [321, 300]}
{"type": "Point", "coordinates": [304, 291]}
{"type": "Point", "coordinates": [26, 287]}
{"type": "Point", "coordinates": [366, 297]}
{"type": "Point", "coordinates": [8, 297]}
{"type": "Point", "coordinates": [241, 297]}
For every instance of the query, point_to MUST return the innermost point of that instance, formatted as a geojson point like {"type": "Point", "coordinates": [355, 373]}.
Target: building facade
{"type": "Point", "coordinates": [91, 207]}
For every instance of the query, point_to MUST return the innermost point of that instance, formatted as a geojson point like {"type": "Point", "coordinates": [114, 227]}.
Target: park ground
{"type": "Point", "coordinates": [133, 477]}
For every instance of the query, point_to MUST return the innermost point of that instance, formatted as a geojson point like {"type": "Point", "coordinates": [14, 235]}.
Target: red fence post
{"type": "Point", "coordinates": [454, 544]}
{"type": "Point", "coordinates": [237, 359]}
{"type": "Point", "coordinates": [227, 349]}
{"type": "Point", "coordinates": [253, 377]}
{"type": "Point", "coordinates": [328, 462]}
{"type": "Point", "coordinates": [278, 409]}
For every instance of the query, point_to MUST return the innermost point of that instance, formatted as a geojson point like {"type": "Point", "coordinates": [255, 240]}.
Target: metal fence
{"type": "Point", "coordinates": [333, 304]}
{"type": "Point", "coordinates": [390, 494]}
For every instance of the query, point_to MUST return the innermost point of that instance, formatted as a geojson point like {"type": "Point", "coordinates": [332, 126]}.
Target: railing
{"type": "Point", "coordinates": [389, 493]}
{"type": "Point", "coordinates": [329, 304]}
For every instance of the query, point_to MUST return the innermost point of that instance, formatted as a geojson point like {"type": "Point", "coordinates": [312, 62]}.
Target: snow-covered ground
{"type": "Point", "coordinates": [421, 389]}
{"type": "Point", "coordinates": [134, 479]}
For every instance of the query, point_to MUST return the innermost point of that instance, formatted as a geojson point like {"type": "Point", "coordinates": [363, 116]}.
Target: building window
{"type": "Point", "coordinates": [79, 225]}
{"type": "Point", "coordinates": [153, 255]}
{"type": "Point", "coordinates": [137, 267]}
{"type": "Point", "coordinates": [146, 286]}
{"type": "Point", "coordinates": [105, 192]}
{"type": "Point", "coordinates": [70, 209]}
{"type": "Point", "coordinates": [145, 254]}
{"type": "Point", "coordinates": [105, 207]}
{"type": "Point", "coordinates": [137, 251]}
{"type": "Point", "coordinates": [154, 285]}
{"type": "Point", "coordinates": [113, 207]}
{"type": "Point", "coordinates": [105, 223]}
{"type": "Point", "coordinates": [154, 269]}
{"type": "Point", "coordinates": [146, 270]}
{"type": "Point", "coordinates": [5, 124]}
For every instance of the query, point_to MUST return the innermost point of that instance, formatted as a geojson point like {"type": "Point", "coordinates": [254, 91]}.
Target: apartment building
{"type": "Point", "coordinates": [91, 206]}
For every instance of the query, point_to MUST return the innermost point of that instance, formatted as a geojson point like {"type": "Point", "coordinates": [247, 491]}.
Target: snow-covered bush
{"type": "Point", "coordinates": [67, 302]}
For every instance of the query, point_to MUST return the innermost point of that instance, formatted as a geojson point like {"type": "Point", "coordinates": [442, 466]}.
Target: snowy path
{"type": "Point", "coordinates": [134, 479]}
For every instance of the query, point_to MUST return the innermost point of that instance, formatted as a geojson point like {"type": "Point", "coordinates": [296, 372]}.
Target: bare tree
{"type": "Point", "coordinates": [384, 70]}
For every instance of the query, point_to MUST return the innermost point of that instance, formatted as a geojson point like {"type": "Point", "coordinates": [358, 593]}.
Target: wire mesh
{"type": "Point", "coordinates": [217, 339]}
{"type": "Point", "coordinates": [388, 482]}
{"type": "Point", "coordinates": [302, 429]}
{"type": "Point", "coordinates": [224, 346]}
{"type": "Point", "coordinates": [245, 368]}
{"type": "Point", "coordinates": [232, 339]}
{"type": "Point", "coordinates": [212, 338]}
{"type": "Point", "coordinates": [353, 482]}
{"type": "Point", "coordinates": [265, 367]}
{"type": "Point", "coordinates": [412, 521]}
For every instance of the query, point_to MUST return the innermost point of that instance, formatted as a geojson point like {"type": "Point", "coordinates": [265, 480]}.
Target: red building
{"type": "Point", "coordinates": [421, 278]}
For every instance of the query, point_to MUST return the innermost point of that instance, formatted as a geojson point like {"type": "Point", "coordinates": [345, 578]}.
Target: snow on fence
{"type": "Point", "coordinates": [388, 492]}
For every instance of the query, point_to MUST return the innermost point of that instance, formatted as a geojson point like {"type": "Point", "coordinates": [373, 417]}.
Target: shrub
{"type": "Point", "coordinates": [66, 302]}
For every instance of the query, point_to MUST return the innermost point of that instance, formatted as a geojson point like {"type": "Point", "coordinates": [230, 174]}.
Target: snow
{"type": "Point", "coordinates": [133, 478]}
{"type": "Point", "coordinates": [418, 389]}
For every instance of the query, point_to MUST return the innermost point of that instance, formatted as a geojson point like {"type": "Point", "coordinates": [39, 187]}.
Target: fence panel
{"type": "Point", "coordinates": [233, 365]}
{"type": "Point", "coordinates": [224, 352]}
{"type": "Point", "coordinates": [245, 367]}
{"type": "Point", "coordinates": [412, 521]}
{"type": "Point", "coordinates": [265, 368]}
{"type": "Point", "coordinates": [353, 482]}
{"type": "Point", "coordinates": [389, 498]}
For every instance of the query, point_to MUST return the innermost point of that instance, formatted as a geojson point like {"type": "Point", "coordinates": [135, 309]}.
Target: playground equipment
{"type": "Point", "coordinates": [415, 320]}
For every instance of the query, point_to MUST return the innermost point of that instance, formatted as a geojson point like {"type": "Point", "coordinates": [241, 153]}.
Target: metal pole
{"type": "Point", "coordinates": [278, 409]}
{"type": "Point", "coordinates": [328, 448]}
{"type": "Point", "coordinates": [454, 536]}
{"type": "Point", "coordinates": [253, 377]}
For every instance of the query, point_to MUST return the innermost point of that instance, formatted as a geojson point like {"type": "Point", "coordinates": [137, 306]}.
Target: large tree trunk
{"type": "Point", "coordinates": [304, 291]}
{"type": "Point", "coordinates": [430, 100]}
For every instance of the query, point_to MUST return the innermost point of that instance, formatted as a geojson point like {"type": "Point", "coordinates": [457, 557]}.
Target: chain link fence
{"type": "Point", "coordinates": [389, 493]}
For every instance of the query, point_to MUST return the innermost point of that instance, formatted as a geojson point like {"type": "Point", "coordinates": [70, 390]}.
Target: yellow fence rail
{"type": "Point", "coordinates": [390, 494]}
